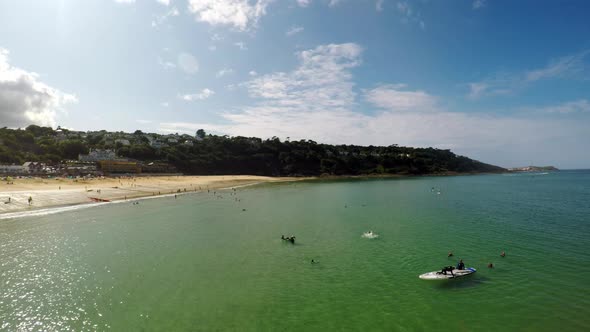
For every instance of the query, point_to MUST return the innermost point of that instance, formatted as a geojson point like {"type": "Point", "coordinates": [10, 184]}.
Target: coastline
{"type": "Point", "coordinates": [63, 192]}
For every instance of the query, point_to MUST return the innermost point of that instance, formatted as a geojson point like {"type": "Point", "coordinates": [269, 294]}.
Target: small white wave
{"type": "Point", "coordinates": [370, 235]}
{"type": "Point", "coordinates": [47, 211]}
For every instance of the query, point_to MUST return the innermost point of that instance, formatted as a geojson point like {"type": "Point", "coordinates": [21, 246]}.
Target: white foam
{"type": "Point", "coordinates": [47, 211]}
{"type": "Point", "coordinates": [370, 235]}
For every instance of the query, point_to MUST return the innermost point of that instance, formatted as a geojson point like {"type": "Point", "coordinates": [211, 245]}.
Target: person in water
{"type": "Point", "coordinates": [503, 254]}
{"type": "Point", "coordinates": [450, 254]}
{"type": "Point", "coordinates": [461, 265]}
{"type": "Point", "coordinates": [491, 265]}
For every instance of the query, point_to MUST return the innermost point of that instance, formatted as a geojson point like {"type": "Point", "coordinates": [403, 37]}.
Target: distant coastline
{"type": "Point", "coordinates": [533, 169]}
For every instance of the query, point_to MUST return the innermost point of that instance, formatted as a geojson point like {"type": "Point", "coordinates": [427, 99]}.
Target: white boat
{"type": "Point", "coordinates": [438, 275]}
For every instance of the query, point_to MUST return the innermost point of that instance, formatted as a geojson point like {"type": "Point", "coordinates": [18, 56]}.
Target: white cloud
{"type": "Point", "coordinates": [240, 14]}
{"type": "Point", "coordinates": [293, 30]}
{"type": "Point", "coordinates": [404, 8]}
{"type": "Point", "coordinates": [477, 4]}
{"type": "Point", "coordinates": [379, 5]}
{"type": "Point", "coordinates": [165, 104]}
{"type": "Point", "coordinates": [393, 98]}
{"type": "Point", "coordinates": [577, 106]}
{"type": "Point", "coordinates": [25, 100]}
{"type": "Point", "coordinates": [317, 101]}
{"type": "Point", "coordinates": [507, 83]}
{"type": "Point", "coordinates": [564, 66]}
{"type": "Point", "coordinates": [144, 121]}
{"type": "Point", "coordinates": [204, 94]}
{"type": "Point", "coordinates": [303, 3]}
{"type": "Point", "coordinates": [161, 19]}
{"type": "Point", "coordinates": [216, 37]}
{"type": "Point", "coordinates": [252, 73]}
{"type": "Point", "coordinates": [409, 15]}
{"type": "Point", "coordinates": [241, 45]}
{"type": "Point", "coordinates": [223, 72]}
{"type": "Point", "coordinates": [477, 89]}
{"type": "Point", "coordinates": [212, 48]}
{"type": "Point", "coordinates": [166, 64]}
{"type": "Point", "coordinates": [125, 1]}
{"type": "Point", "coordinates": [164, 2]}
{"type": "Point", "coordinates": [333, 3]}
{"type": "Point", "coordinates": [188, 63]}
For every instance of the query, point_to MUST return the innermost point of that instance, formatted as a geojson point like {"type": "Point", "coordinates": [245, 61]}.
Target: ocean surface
{"type": "Point", "coordinates": [216, 262]}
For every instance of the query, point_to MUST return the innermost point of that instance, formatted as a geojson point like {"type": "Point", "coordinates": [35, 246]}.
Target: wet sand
{"type": "Point", "coordinates": [46, 193]}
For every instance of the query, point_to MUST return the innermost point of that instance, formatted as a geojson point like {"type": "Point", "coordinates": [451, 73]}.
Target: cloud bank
{"type": "Point", "coordinates": [317, 100]}
{"type": "Point", "coordinates": [25, 100]}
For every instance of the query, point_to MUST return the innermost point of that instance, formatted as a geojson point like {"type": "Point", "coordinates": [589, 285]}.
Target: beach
{"type": "Point", "coordinates": [56, 192]}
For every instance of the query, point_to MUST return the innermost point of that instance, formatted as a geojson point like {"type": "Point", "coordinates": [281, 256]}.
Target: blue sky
{"type": "Point", "coordinates": [504, 82]}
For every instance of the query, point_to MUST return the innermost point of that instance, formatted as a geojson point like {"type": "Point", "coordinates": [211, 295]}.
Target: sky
{"type": "Point", "coordinates": [504, 82]}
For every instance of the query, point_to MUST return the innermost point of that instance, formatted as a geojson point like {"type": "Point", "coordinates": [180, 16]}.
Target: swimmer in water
{"type": "Point", "coordinates": [450, 254]}
{"type": "Point", "coordinates": [503, 254]}
{"type": "Point", "coordinates": [491, 265]}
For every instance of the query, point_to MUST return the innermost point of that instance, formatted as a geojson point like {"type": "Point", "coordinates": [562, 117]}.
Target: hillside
{"type": "Point", "coordinates": [211, 154]}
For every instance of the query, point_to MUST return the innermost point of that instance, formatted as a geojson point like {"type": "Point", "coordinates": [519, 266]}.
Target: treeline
{"type": "Point", "coordinates": [211, 154]}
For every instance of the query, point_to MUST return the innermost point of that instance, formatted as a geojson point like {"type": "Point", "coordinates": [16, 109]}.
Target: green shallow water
{"type": "Point", "coordinates": [200, 263]}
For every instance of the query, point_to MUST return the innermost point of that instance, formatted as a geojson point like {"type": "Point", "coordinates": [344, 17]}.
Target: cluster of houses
{"type": "Point", "coordinates": [126, 139]}
{"type": "Point", "coordinates": [97, 162]}
{"type": "Point", "coordinates": [103, 161]}
{"type": "Point", "coordinates": [29, 168]}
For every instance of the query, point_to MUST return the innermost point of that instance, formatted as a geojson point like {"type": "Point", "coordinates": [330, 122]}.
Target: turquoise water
{"type": "Point", "coordinates": [201, 263]}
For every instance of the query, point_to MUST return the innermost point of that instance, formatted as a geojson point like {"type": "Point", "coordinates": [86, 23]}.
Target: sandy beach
{"type": "Point", "coordinates": [56, 192]}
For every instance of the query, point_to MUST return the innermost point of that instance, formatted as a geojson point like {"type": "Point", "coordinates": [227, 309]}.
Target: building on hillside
{"type": "Point", "coordinates": [11, 169]}
{"type": "Point", "coordinates": [81, 168]}
{"type": "Point", "coordinates": [116, 166]}
{"type": "Point", "coordinates": [32, 167]}
{"type": "Point", "coordinates": [98, 155]}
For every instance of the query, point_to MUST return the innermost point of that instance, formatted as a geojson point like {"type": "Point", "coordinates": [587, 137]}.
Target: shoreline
{"type": "Point", "coordinates": [63, 193]}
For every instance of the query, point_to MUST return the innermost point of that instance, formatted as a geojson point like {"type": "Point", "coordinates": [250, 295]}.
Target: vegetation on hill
{"type": "Point", "coordinates": [211, 154]}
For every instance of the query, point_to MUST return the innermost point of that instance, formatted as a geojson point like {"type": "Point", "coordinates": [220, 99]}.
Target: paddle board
{"type": "Point", "coordinates": [436, 275]}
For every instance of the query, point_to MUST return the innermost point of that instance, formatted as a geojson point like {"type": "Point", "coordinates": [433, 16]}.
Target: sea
{"type": "Point", "coordinates": [216, 261]}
